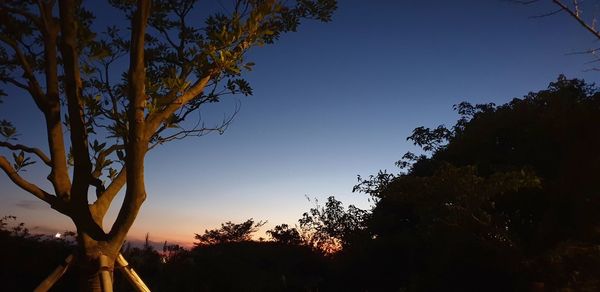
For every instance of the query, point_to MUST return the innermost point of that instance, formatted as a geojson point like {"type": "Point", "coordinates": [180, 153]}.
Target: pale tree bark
{"type": "Point", "coordinates": [137, 143]}
{"type": "Point", "coordinates": [91, 238]}
{"type": "Point", "coordinates": [59, 175]}
{"type": "Point", "coordinates": [96, 244]}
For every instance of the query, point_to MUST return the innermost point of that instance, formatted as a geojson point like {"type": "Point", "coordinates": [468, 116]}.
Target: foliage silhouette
{"type": "Point", "coordinates": [225, 266]}
{"type": "Point", "coordinates": [229, 232]}
{"type": "Point", "coordinates": [27, 259]}
{"type": "Point", "coordinates": [509, 195]}
{"type": "Point", "coordinates": [286, 235]}
{"type": "Point", "coordinates": [329, 228]}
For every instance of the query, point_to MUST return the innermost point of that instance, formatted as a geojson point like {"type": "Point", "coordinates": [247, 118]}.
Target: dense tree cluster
{"type": "Point", "coordinates": [505, 200]}
{"type": "Point", "coordinates": [229, 232]}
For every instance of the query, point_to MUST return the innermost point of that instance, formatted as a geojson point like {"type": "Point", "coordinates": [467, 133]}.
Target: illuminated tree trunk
{"type": "Point", "coordinates": [94, 260]}
{"type": "Point", "coordinates": [99, 250]}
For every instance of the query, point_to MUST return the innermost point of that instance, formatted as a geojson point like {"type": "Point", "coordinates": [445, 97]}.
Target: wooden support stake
{"type": "Point", "coordinates": [131, 275]}
{"type": "Point", "coordinates": [56, 274]}
{"type": "Point", "coordinates": [105, 277]}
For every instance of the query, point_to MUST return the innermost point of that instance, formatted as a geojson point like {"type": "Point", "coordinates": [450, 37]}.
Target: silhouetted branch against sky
{"type": "Point", "coordinates": [574, 10]}
{"type": "Point", "coordinates": [586, 17]}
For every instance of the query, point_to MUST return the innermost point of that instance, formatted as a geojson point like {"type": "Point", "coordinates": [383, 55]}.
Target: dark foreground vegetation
{"type": "Point", "coordinates": [508, 199]}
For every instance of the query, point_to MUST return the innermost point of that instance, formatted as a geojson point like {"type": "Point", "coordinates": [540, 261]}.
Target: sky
{"type": "Point", "coordinates": [331, 101]}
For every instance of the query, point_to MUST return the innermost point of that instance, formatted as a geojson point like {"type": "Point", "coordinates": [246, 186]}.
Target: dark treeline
{"type": "Point", "coordinates": [507, 199]}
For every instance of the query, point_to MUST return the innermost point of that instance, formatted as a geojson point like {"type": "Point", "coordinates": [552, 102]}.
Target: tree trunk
{"type": "Point", "coordinates": [89, 263]}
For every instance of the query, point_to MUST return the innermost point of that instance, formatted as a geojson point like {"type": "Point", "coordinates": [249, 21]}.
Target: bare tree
{"type": "Point", "coordinates": [583, 12]}
{"type": "Point", "coordinates": [101, 121]}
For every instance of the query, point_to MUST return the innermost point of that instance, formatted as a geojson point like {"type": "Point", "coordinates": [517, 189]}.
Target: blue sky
{"type": "Point", "coordinates": [332, 101]}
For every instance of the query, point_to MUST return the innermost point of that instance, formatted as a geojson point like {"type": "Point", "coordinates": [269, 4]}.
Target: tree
{"type": "Point", "coordinates": [575, 10]}
{"type": "Point", "coordinates": [509, 189]}
{"type": "Point", "coordinates": [330, 228]}
{"type": "Point", "coordinates": [545, 132]}
{"type": "Point", "coordinates": [229, 232]}
{"type": "Point", "coordinates": [286, 235]}
{"type": "Point", "coordinates": [51, 53]}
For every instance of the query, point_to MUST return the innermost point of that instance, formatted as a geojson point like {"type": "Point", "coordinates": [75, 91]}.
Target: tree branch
{"type": "Point", "coordinates": [197, 130]}
{"type": "Point", "coordinates": [156, 119]}
{"type": "Point", "coordinates": [547, 14]}
{"type": "Point", "coordinates": [32, 17]}
{"type": "Point", "coordinates": [27, 149]}
{"type": "Point", "coordinates": [137, 144]}
{"type": "Point", "coordinates": [15, 83]}
{"type": "Point", "coordinates": [70, 56]}
{"type": "Point", "coordinates": [102, 157]}
{"type": "Point", "coordinates": [29, 187]}
{"type": "Point", "coordinates": [101, 205]}
{"type": "Point", "coordinates": [525, 2]}
{"type": "Point", "coordinates": [577, 17]}
{"type": "Point", "coordinates": [33, 85]}
{"type": "Point", "coordinates": [49, 28]}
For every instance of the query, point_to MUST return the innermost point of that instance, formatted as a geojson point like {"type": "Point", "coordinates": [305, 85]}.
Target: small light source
{"type": "Point", "coordinates": [57, 235]}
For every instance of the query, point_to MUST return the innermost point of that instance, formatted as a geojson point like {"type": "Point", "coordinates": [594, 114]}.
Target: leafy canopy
{"type": "Point", "coordinates": [229, 232]}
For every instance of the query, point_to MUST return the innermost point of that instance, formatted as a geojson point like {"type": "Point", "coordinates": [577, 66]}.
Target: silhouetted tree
{"type": "Point", "coordinates": [508, 195]}
{"type": "Point", "coordinates": [52, 53]}
{"type": "Point", "coordinates": [227, 266]}
{"type": "Point", "coordinates": [26, 257]}
{"type": "Point", "coordinates": [284, 234]}
{"type": "Point", "coordinates": [329, 228]}
{"type": "Point", "coordinates": [584, 13]}
{"type": "Point", "coordinates": [575, 9]}
{"type": "Point", "coordinates": [171, 251]}
{"type": "Point", "coordinates": [229, 232]}
{"type": "Point", "coordinates": [227, 259]}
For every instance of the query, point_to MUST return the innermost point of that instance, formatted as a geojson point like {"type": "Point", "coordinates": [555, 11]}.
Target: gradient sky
{"type": "Point", "coordinates": [330, 102]}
